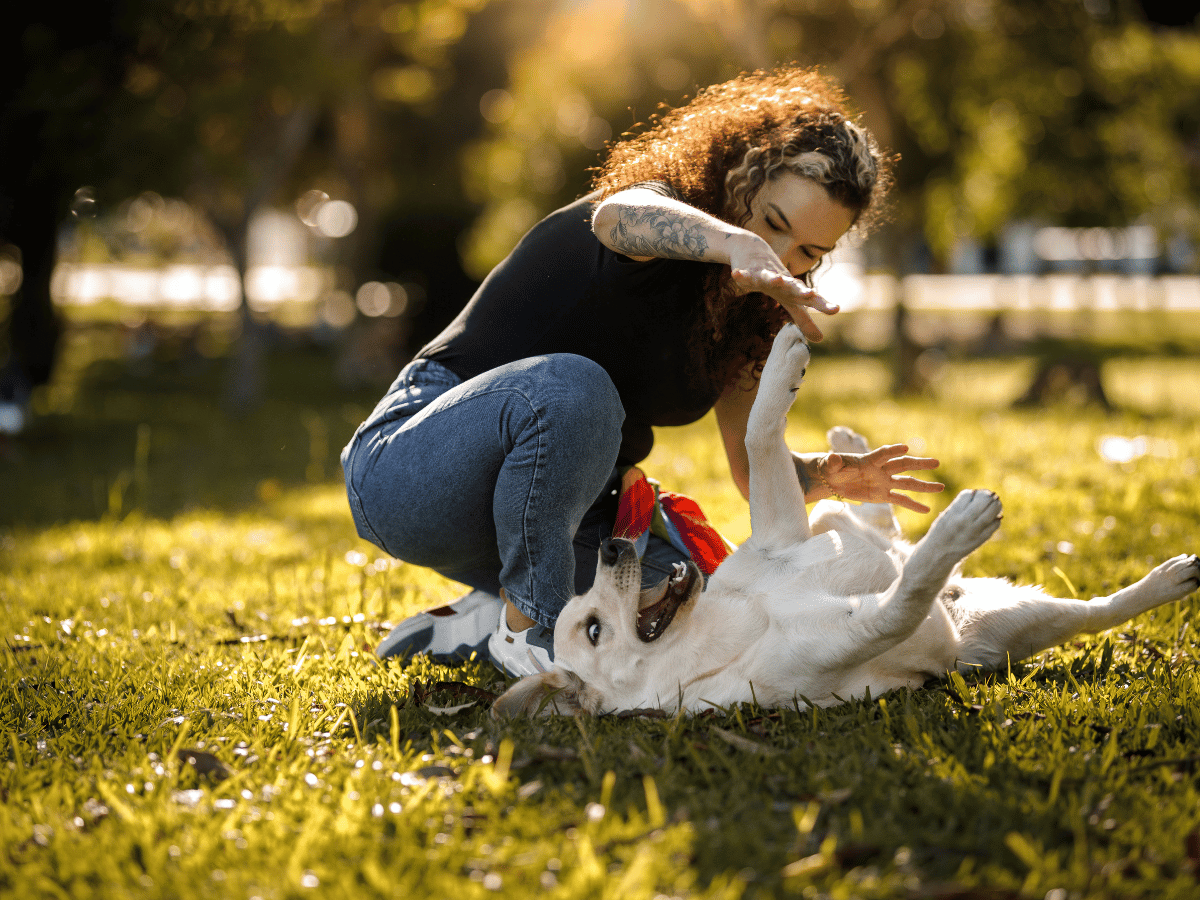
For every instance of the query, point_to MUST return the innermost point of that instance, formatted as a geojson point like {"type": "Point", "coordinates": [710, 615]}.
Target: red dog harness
{"type": "Point", "coordinates": [645, 508]}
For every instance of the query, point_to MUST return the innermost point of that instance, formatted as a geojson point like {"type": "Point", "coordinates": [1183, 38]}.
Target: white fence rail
{"type": "Point", "coordinates": [217, 288]}
{"type": "Point", "coordinates": [997, 293]}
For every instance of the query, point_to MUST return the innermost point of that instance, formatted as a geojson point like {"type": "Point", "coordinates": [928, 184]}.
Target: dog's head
{"type": "Point", "coordinates": [606, 639]}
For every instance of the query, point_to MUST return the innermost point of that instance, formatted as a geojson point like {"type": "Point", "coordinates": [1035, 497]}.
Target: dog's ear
{"type": "Point", "coordinates": [553, 691]}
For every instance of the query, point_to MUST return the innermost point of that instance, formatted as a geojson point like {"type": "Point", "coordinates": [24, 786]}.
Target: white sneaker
{"type": "Point", "coordinates": [450, 633]}
{"type": "Point", "coordinates": [521, 653]}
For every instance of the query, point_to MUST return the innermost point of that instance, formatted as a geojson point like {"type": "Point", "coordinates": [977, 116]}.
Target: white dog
{"type": "Point", "coordinates": [815, 614]}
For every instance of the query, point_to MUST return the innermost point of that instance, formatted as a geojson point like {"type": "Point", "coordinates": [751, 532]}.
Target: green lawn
{"type": "Point", "coordinates": [192, 708]}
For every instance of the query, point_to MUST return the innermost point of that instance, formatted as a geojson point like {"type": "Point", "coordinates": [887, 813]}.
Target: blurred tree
{"type": "Point", "coordinates": [594, 70]}
{"type": "Point", "coordinates": [234, 104]}
{"type": "Point", "coordinates": [212, 101]}
{"type": "Point", "coordinates": [1075, 113]}
{"type": "Point", "coordinates": [433, 96]}
{"type": "Point", "coordinates": [1080, 111]}
{"type": "Point", "coordinates": [34, 189]}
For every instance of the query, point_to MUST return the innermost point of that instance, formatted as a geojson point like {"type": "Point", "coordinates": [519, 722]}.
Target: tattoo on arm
{"type": "Point", "coordinates": [646, 232]}
{"type": "Point", "coordinates": [802, 473]}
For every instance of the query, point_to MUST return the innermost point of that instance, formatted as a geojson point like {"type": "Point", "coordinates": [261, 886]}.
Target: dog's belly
{"type": "Point", "coordinates": [830, 564]}
{"type": "Point", "coordinates": [797, 660]}
{"type": "Point", "coordinates": [925, 654]}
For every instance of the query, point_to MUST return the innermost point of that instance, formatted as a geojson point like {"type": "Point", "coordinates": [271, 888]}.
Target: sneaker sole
{"type": "Point", "coordinates": [414, 635]}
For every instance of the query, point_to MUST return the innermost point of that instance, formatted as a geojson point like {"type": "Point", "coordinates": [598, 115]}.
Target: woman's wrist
{"type": "Point", "coordinates": [809, 473]}
{"type": "Point", "coordinates": [745, 248]}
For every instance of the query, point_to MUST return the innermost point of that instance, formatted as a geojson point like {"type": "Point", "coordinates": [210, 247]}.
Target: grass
{"type": "Point", "coordinates": [192, 708]}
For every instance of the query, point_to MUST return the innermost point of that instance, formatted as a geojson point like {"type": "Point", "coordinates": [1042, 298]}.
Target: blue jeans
{"type": "Point", "coordinates": [505, 480]}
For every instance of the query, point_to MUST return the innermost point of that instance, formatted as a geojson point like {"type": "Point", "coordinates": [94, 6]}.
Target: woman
{"type": "Point", "coordinates": [495, 457]}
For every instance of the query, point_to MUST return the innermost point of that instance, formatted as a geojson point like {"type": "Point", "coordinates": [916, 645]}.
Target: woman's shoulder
{"type": "Point", "coordinates": [575, 218]}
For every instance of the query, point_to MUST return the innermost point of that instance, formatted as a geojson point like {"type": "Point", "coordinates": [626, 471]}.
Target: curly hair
{"type": "Point", "coordinates": [718, 150]}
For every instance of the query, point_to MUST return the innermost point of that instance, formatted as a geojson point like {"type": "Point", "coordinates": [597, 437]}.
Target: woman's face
{"type": "Point", "coordinates": [798, 218]}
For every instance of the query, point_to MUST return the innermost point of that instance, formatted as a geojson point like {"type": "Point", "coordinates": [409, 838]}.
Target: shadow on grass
{"type": "Point", "coordinates": [152, 435]}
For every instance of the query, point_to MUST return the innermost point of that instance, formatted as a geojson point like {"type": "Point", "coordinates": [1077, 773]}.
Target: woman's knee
{"type": "Point", "coordinates": [580, 390]}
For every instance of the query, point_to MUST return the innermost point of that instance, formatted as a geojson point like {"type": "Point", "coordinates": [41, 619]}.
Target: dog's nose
{"type": "Point", "coordinates": [612, 549]}
{"type": "Point", "coordinates": [609, 552]}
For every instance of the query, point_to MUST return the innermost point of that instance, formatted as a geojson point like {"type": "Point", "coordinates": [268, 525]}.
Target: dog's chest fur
{"type": "Point", "coordinates": [823, 574]}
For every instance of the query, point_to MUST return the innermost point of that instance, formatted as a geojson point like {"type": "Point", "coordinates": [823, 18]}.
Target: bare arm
{"type": "Point", "coordinates": [643, 224]}
{"type": "Point", "coordinates": [733, 411]}
{"type": "Point", "coordinates": [874, 477]}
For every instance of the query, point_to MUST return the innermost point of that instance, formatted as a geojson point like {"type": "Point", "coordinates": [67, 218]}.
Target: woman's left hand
{"type": "Point", "coordinates": [755, 267]}
{"type": "Point", "coordinates": [878, 476]}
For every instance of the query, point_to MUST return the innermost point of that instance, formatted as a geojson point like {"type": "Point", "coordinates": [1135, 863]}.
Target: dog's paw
{"type": "Point", "coordinates": [1174, 579]}
{"type": "Point", "coordinates": [782, 375]}
{"type": "Point", "coordinates": [788, 359]}
{"type": "Point", "coordinates": [972, 518]}
{"type": "Point", "coordinates": [846, 440]}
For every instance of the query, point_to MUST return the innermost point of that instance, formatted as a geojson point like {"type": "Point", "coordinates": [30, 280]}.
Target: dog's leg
{"type": "Point", "coordinates": [970, 520]}
{"type": "Point", "coordinates": [777, 514]}
{"type": "Point", "coordinates": [877, 515]}
{"type": "Point", "coordinates": [1004, 622]}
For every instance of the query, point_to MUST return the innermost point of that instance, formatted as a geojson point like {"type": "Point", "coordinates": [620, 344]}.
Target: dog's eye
{"type": "Point", "coordinates": [593, 630]}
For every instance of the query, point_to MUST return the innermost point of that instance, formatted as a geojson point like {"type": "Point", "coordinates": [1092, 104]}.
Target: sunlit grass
{"type": "Point", "coordinates": [192, 707]}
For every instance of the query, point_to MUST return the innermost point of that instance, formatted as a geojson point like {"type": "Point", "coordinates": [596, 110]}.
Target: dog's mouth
{"type": "Point", "coordinates": [658, 606]}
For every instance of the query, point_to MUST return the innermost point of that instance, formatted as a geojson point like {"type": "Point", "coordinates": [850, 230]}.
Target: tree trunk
{"type": "Point", "coordinates": [246, 376]}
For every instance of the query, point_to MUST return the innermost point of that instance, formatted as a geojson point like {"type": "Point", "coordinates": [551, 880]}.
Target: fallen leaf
{"type": "Point", "coordinates": [745, 744]}
{"type": "Point", "coordinates": [205, 763]}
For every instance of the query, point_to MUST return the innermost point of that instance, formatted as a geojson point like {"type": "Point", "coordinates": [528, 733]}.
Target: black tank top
{"type": "Point", "coordinates": [562, 291]}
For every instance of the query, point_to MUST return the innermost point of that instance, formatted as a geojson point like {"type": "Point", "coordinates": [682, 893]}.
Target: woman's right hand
{"type": "Point", "coordinates": [756, 268]}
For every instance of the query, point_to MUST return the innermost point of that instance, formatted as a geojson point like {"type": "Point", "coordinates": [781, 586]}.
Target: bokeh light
{"type": "Point", "coordinates": [337, 309]}
{"type": "Point", "coordinates": [11, 273]}
{"type": "Point", "coordinates": [373, 299]}
{"type": "Point", "coordinates": [83, 203]}
{"type": "Point", "coordinates": [308, 204]}
{"type": "Point", "coordinates": [497, 106]}
{"type": "Point", "coordinates": [336, 218]}
{"type": "Point", "coordinates": [377, 298]}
